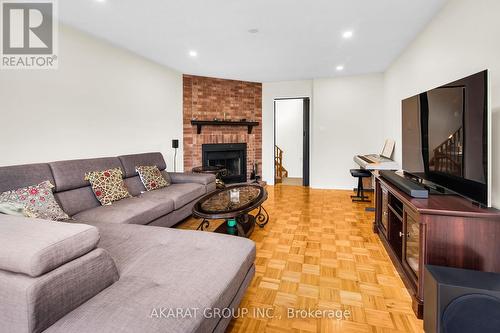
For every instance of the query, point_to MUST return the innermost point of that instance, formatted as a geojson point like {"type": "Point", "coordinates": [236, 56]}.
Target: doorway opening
{"type": "Point", "coordinates": [291, 141]}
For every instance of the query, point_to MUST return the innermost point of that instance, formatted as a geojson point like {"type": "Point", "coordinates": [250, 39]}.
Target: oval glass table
{"type": "Point", "coordinates": [236, 205]}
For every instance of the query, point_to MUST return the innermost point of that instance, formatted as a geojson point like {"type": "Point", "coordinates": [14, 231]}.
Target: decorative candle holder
{"type": "Point", "coordinates": [234, 195]}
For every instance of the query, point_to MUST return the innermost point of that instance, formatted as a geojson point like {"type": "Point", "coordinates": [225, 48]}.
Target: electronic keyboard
{"type": "Point", "coordinates": [378, 161]}
{"type": "Point", "coordinates": [375, 162]}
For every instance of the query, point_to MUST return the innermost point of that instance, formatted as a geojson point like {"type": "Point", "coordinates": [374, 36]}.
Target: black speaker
{"type": "Point", "coordinates": [461, 300]}
{"type": "Point", "coordinates": [175, 143]}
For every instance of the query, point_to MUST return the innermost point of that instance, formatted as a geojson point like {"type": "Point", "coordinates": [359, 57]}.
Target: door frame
{"type": "Point", "coordinates": [306, 137]}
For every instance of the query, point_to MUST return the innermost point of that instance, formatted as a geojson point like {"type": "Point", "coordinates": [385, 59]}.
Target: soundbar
{"type": "Point", "coordinates": [407, 186]}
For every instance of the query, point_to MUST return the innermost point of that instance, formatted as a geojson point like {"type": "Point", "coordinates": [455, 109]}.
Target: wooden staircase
{"type": "Point", "coordinates": [279, 171]}
{"type": "Point", "coordinates": [448, 155]}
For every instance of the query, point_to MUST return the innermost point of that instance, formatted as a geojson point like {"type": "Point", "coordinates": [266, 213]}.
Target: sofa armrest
{"type": "Point", "coordinates": [184, 177]}
{"type": "Point", "coordinates": [34, 246]}
{"type": "Point", "coordinates": [32, 304]}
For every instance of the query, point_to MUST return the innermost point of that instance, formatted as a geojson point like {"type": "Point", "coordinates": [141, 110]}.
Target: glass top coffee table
{"type": "Point", "coordinates": [234, 204]}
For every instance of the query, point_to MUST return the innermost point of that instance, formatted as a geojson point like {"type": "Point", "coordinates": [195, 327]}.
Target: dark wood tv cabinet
{"type": "Point", "coordinates": [442, 230]}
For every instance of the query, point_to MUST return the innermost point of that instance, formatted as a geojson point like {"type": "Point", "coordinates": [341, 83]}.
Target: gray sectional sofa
{"type": "Point", "coordinates": [164, 207]}
{"type": "Point", "coordinates": [112, 269]}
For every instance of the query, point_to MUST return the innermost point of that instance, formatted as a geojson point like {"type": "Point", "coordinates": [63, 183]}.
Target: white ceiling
{"type": "Point", "coordinates": [297, 39]}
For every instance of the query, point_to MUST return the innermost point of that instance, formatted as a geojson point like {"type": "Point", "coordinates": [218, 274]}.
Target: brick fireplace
{"type": "Point", "coordinates": [232, 156]}
{"type": "Point", "coordinates": [210, 98]}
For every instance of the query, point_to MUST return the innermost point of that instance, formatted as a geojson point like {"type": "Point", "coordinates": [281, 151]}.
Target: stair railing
{"type": "Point", "coordinates": [448, 155]}
{"type": "Point", "coordinates": [279, 171]}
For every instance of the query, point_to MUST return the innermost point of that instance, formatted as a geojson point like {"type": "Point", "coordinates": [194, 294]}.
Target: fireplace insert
{"type": "Point", "coordinates": [231, 156]}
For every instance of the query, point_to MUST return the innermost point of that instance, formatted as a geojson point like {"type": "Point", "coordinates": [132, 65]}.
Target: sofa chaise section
{"type": "Point", "coordinates": [164, 268]}
{"type": "Point", "coordinates": [53, 278]}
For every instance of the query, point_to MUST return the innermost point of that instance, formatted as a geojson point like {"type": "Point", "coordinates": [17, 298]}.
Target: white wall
{"type": "Point", "coordinates": [346, 121]}
{"type": "Point", "coordinates": [461, 40]}
{"type": "Point", "coordinates": [289, 128]}
{"type": "Point", "coordinates": [270, 91]}
{"type": "Point", "coordinates": [102, 101]}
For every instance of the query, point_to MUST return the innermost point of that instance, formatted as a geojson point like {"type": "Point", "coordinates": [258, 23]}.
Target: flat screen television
{"type": "Point", "coordinates": [446, 138]}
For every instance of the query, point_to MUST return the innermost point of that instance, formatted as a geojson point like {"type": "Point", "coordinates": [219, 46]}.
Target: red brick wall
{"type": "Point", "coordinates": [208, 98]}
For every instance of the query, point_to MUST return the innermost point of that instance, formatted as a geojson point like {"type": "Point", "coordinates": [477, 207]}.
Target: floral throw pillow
{"type": "Point", "coordinates": [38, 201]}
{"type": "Point", "coordinates": [151, 177]}
{"type": "Point", "coordinates": [108, 185]}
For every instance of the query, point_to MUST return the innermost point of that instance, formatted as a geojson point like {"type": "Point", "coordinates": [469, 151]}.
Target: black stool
{"type": "Point", "coordinates": [360, 174]}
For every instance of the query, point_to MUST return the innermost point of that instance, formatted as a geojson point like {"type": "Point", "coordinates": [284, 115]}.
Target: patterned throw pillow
{"type": "Point", "coordinates": [151, 177]}
{"type": "Point", "coordinates": [108, 185]}
{"type": "Point", "coordinates": [37, 200]}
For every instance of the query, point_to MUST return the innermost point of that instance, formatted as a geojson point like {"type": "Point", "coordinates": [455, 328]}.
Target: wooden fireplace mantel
{"type": "Point", "coordinates": [200, 123]}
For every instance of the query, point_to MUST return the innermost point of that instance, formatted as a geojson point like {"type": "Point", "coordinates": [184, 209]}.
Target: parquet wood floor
{"type": "Point", "coordinates": [291, 181]}
{"type": "Point", "coordinates": [318, 251]}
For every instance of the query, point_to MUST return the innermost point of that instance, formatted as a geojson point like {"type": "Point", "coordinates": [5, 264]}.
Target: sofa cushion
{"type": "Point", "coordinates": [34, 246]}
{"type": "Point", "coordinates": [130, 162]}
{"type": "Point", "coordinates": [108, 185]}
{"type": "Point", "coordinates": [70, 174]}
{"type": "Point", "coordinates": [181, 194]}
{"type": "Point", "coordinates": [135, 185]}
{"type": "Point", "coordinates": [199, 178]}
{"type": "Point", "coordinates": [136, 210]}
{"type": "Point", "coordinates": [163, 268]}
{"type": "Point", "coordinates": [17, 176]}
{"type": "Point", "coordinates": [77, 200]}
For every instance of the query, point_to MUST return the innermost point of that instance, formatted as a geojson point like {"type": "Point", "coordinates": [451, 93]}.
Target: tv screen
{"type": "Point", "coordinates": [445, 136]}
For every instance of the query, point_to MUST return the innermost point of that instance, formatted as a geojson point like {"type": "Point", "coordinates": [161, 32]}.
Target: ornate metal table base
{"type": "Point", "coordinates": [204, 224]}
{"type": "Point", "coordinates": [260, 219]}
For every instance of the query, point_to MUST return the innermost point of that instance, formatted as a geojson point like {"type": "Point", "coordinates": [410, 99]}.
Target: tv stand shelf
{"type": "Point", "coordinates": [444, 230]}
